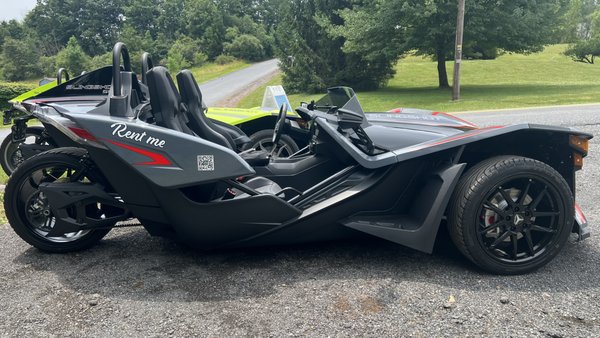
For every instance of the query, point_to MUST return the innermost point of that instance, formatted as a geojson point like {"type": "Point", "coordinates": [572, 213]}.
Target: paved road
{"type": "Point", "coordinates": [221, 89]}
{"type": "Point", "coordinates": [135, 285]}
{"type": "Point", "coordinates": [569, 116]}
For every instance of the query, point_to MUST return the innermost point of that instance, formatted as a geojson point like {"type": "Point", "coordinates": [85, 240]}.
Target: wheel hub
{"type": "Point", "coordinates": [514, 227]}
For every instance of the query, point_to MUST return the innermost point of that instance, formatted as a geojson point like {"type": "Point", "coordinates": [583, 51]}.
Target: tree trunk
{"type": "Point", "coordinates": [442, 73]}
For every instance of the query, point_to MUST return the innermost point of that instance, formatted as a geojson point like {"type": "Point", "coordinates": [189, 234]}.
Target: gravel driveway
{"type": "Point", "coordinates": [135, 285]}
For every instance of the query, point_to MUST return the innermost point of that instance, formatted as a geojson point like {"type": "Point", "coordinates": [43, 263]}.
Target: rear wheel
{"type": "Point", "coordinates": [263, 140]}
{"type": "Point", "coordinates": [27, 208]}
{"type": "Point", "coordinates": [511, 215]}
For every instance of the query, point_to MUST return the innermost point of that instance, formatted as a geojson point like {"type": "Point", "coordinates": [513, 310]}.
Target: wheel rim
{"type": "Point", "coordinates": [34, 207]}
{"type": "Point", "coordinates": [282, 150]}
{"type": "Point", "coordinates": [519, 219]}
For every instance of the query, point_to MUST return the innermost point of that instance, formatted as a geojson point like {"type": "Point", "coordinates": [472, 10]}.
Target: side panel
{"type": "Point", "coordinates": [418, 227]}
{"type": "Point", "coordinates": [167, 158]}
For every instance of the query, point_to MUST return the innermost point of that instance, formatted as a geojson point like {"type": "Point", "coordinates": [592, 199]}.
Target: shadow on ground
{"type": "Point", "coordinates": [132, 265]}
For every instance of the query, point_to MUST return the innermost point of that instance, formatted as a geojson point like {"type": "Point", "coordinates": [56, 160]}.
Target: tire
{"type": "Point", "coordinates": [8, 149]}
{"type": "Point", "coordinates": [516, 236]}
{"type": "Point", "coordinates": [263, 140]}
{"type": "Point", "coordinates": [20, 191]}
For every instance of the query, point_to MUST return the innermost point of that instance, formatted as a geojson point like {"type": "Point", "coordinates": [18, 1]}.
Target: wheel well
{"type": "Point", "coordinates": [251, 127]}
{"type": "Point", "coordinates": [268, 122]}
{"type": "Point", "coordinates": [547, 146]}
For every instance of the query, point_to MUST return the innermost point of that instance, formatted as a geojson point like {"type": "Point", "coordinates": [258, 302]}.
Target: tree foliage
{"type": "Point", "coordinates": [320, 43]}
{"type": "Point", "coordinates": [392, 28]}
{"type": "Point", "coordinates": [185, 53]}
{"type": "Point", "coordinates": [18, 60]}
{"type": "Point", "coordinates": [73, 58]}
{"type": "Point", "coordinates": [312, 59]}
{"type": "Point", "coordinates": [586, 32]}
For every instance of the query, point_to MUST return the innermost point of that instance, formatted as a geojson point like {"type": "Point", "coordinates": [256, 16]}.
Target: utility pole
{"type": "Point", "coordinates": [460, 25]}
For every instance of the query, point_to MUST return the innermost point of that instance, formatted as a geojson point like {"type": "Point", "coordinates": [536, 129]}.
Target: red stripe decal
{"type": "Point", "coordinates": [453, 138]}
{"type": "Point", "coordinates": [454, 118]}
{"type": "Point", "coordinates": [157, 159]}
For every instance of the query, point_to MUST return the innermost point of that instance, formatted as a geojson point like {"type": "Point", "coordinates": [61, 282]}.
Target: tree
{"type": "Point", "coordinates": [587, 48]}
{"type": "Point", "coordinates": [11, 29]}
{"type": "Point", "coordinates": [205, 24]}
{"type": "Point", "coordinates": [318, 59]}
{"type": "Point", "coordinates": [73, 58]}
{"type": "Point", "coordinates": [96, 24]}
{"type": "Point", "coordinates": [396, 27]}
{"type": "Point", "coordinates": [577, 20]}
{"type": "Point", "coordinates": [142, 15]}
{"type": "Point", "coordinates": [19, 60]}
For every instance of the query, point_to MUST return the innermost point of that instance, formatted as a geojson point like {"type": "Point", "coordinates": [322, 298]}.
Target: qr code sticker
{"type": "Point", "coordinates": [206, 163]}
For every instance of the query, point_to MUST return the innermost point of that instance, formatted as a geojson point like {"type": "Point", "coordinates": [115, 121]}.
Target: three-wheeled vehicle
{"type": "Point", "coordinates": [506, 193]}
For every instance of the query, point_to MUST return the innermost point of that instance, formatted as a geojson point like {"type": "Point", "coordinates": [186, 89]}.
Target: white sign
{"type": "Point", "coordinates": [274, 97]}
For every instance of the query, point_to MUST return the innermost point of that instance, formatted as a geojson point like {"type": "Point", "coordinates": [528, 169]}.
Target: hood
{"type": "Point", "coordinates": [407, 117]}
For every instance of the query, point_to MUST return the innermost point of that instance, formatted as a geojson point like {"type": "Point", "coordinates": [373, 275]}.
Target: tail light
{"type": "Point", "coordinates": [50, 116]}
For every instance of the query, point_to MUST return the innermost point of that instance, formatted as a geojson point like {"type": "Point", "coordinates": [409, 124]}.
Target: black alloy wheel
{"type": "Point", "coordinates": [511, 214]}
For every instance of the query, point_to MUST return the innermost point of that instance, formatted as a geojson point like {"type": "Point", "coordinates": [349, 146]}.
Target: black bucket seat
{"type": "Point", "coordinates": [203, 126]}
{"type": "Point", "coordinates": [169, 112]}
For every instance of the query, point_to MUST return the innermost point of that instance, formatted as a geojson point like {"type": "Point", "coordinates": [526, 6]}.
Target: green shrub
{"type": "Point", "coordinates": [185, 53]}
{"type": "Point", "coordinates": [8, 90]}
{"type": "Point", "coordinates": [224, 59]}
{"type": "Point", "coordinates": [101, 60]}
{"type": "Point", "coordinates": [246, 47]}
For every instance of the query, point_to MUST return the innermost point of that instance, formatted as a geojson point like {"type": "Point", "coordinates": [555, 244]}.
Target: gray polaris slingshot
{"type": "Point", "coordinates": [130, 154]}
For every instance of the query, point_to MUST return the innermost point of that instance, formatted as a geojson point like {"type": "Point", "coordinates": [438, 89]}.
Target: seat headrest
{"type": "Point", "coordinates": [164, 97]}
{"type": "Point", "coordinates": [190, 92]}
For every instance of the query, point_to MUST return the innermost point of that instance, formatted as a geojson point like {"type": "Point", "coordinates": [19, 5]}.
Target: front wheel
{"type": "Point", "coordinates": [28, 211]}
{"type": "Point", "coordinates": [511, 214]}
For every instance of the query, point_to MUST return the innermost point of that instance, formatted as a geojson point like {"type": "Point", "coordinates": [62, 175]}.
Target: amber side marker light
{"type": "Point", "coordinates": [581, 145]}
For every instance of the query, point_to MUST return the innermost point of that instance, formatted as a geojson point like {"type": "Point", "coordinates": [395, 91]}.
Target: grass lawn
{"type": "Point", "coordinates": [211, 70]}
{"type": "Point", "coordinates": [510, 81]}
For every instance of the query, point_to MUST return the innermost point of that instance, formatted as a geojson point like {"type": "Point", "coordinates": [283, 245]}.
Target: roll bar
{"type": "Point", "coordinates": [119, 50]}
{"type": "Point", "coordinates": [147, 64]}
{"type": "Point", "coordinates": [59, 76]}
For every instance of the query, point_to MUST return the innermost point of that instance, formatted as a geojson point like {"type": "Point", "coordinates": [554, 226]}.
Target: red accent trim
{"type": "Point", "coordinates": [454, 118]}
{"type": "Point", "coordinates": [580, 213]}
{"type": "Point", "coordinates": [84, 134]}
{"type": "Point", "coordinates": [421, 123]}
{"type": "Point", "coordinates": [454, 138]}
{"type": "Point", "coordinates": [395, 110]}
{"type": "Point", "coordinates": [157, 159]}
{"type": "Point", "coordinates": [68, 99]}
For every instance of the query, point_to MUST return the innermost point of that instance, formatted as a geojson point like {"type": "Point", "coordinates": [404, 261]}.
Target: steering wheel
{"type": "Point", "coordinates": [278, 131]}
